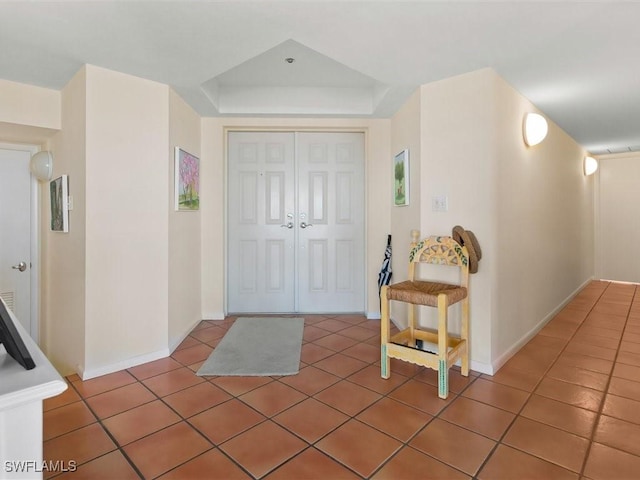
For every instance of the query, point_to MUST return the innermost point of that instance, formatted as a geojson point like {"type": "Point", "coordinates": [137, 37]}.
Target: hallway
{"type": "Point", "coordinates": [567, 405]}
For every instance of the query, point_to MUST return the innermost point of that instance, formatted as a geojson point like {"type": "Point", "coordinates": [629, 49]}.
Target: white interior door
{"type": "Point", "coordinates": [295, 222]}
{"type": "Point", "coordinates": [618, 224]}
{"type": "Point", "coordinates": [15, 233]}
{"type": "Point", "coordinates": [331, 203]}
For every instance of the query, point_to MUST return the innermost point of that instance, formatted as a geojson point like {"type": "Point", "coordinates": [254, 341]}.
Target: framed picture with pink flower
{"type": "Point", "coordinates": [187, 181]}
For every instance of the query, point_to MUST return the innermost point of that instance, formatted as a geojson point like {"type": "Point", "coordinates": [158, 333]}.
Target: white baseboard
{"type": "Point", "coordinates": [481, 367]}
{"type": "Point", "coordinates": [173, 344]}
{"type": "Point", "coordinates": [505, 356]}
{"type": "Point", "coordinates": [87, 374]}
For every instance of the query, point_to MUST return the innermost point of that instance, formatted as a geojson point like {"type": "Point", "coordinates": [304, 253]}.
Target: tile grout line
{"type": "Point", "coordinates": [353, 417]}
{"type": "Point", "coordinates": [606, 390]}
{"type": "Point", "coordinates": [237, 397]}
{"type": "Point", "coordinates": [233, 396]}
{"type": "Point", "coordinates": [406, 444]}
{"type": "Point", "coordinates": [270, 418]}
{"type": "Point", "coordinates": [111, 437]}
{"type": "Point", "coordinates": [530, 395]}
{"type": "Point", "coordinates": [307, 445]}
{"type": "Point", "coordinates": [182, 419]}
{"type": "Point", "coordinates": [349, 416]}
{"type": "Point", "coordinates": [156, 397]}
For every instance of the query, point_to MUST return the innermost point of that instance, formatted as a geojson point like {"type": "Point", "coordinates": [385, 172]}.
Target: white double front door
{"type": "Point", "coordinates": [295, 222]}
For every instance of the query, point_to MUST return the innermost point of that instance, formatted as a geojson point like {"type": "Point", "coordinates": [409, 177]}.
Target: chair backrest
{"type": "Point", "coordinates": [439, 250]}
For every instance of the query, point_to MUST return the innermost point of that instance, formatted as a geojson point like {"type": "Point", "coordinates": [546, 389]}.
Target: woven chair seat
{"type": "Point", "coordinates": [425, 293]}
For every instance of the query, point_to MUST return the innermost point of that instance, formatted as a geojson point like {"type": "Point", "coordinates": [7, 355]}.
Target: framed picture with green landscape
{"type": "Point", "coordinates": [187, 181]}
{"type": "Point", "coordinates": [59, 195]}
{"type": "Point", "coordinates": [401, 179]}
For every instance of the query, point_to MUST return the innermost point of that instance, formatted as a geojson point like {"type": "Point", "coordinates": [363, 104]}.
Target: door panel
{"type": "Point", "coordinates": [261, 192]}
{"type": "Point", "coordinates": [15, 233]}
{"type": "Point", "coordinates": [274, 271]}
{"type": "Point", "coordinates": [331, 199]}
{"type": "Point", "coordinates": [344, 186]}
{"type": "Point", "coordinates": [317, 266]}
{"type": "Point", "coordinates": [275, 187]}
{"type": "Point", "coordinates": [248, 189]}
{"type": "Point", "coordinates": [317, 208]}
{"type": "Point", "coordinates": [345, 253]}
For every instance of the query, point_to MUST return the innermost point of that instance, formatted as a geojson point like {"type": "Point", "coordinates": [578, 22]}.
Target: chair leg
{"type": "Point", "coordinates": [385, 327]}
{"type": "Point", "coordinates": [443, 347]}
{"type": "Point", "coordinates": [412, 324]}
{"type": "Point", "coordinates": [464, 336]}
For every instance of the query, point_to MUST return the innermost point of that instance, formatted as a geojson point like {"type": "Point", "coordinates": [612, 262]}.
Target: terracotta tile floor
{"type": "Point", "coordinates": [567, 405]}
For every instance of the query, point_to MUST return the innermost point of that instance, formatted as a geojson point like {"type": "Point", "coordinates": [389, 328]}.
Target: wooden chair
{"type": "Point", "coordinates": [439, 251]}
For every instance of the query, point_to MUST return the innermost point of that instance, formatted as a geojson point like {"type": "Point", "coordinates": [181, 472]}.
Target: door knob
{"type": "Point", "coordinates": [305, 225]}
{"type": "Point", "coordinates": [21, 266]}
{"type": "Point", "coordinates": [287, 225]}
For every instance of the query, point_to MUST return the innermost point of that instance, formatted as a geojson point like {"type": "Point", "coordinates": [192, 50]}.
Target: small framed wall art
{"type": "Point", "coordinates": [187, 181]}
{"type": "Point", "coordinates": [401, 179]}
{"type": "Point", "coordinates": [59, 195]}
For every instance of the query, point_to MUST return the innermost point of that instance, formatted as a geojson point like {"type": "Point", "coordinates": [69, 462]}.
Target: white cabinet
{"type": "Point", "coordinates": [21, 395]}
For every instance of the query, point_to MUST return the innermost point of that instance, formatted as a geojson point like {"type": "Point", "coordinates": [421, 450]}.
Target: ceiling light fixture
{"type": "Point", "coordinates": [289, 60]}
{"type": "Point", "coordinates": [589, 165]}
{"type": "Point", "coordinates": [534, 128]}
{"type": "Point", "coordinates": [41, 165]}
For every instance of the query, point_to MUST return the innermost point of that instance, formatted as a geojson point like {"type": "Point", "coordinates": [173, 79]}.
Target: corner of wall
{"type": "Point", "coordinates": [212, 180]}
{"type": "Point", "coordinates": [458, 165]}
{"type": "Point", "coordinates": [184, 229]}
{"type": "Point", "coordinates": [126, 235]}
{"type": "Point", "coordinates": [406, 133]}
{"type": "Point", "coordinates": [63, 292]}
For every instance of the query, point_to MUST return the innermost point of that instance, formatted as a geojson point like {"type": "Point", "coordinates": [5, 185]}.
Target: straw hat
{"type": "Point", "coordinates": [467, 238]}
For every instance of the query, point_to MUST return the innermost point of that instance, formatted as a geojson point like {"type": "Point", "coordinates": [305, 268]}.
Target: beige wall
{"type": "Point", "coordinates": [458, 147]}
{"type": "Point", "coordinates": [213, 181]}
{"type": "Point", "coordinates": [184, 229]}
{"type": "Point", "coordinates": [127, 222]}
{"type": "Point", "coordinates": [29, 115]}
{"type": "Point", "coordinates": [379, 199]}
{"type": "Point", "coordinates": [123, 286]}
{"type": "Point", "coordinates": [544, 234]}
{"type": "Point", "coordinates": [406, 133]}
{"type": "Point", "coordinates": [212, 215]}
{"type": "Point", "coordinates": [63, 256]}
{"type": "Point", "coordinates": [530, 208]}
{"type": "Point", "coordinates": [617, 227]}
{"type": "Point", "coordinates": [30, 105]}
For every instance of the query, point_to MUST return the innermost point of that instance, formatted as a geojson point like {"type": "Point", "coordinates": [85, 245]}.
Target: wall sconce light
{"type": "Point", "coordinates": [41, 165]}
{"type": "Point", "coordinates": [589, 165]}
{"type": "Point", "coordinates": [534, 128]}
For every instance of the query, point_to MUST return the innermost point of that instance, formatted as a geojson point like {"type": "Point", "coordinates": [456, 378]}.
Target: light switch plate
{"type": "Point", "coordinates": [439, 203]}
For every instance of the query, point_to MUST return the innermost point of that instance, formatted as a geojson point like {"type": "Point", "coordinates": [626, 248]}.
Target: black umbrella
{"type": "Point", "coordinates": [384, 277]}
